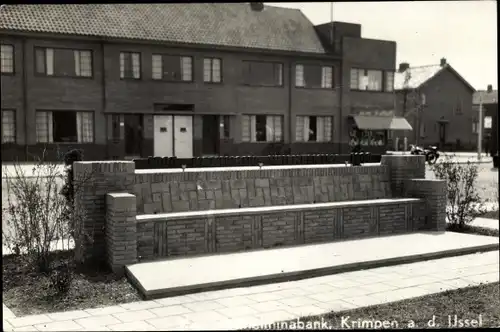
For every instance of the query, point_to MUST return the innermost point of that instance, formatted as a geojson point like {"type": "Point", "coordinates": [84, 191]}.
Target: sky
{"type": "Point", "coordinates": [463, 32]}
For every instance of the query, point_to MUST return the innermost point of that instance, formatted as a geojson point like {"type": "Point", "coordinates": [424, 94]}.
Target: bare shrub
{"type": "Point", "coordinates": [463, 200]}
{"type": "Point", "coordinates": [36, 215]}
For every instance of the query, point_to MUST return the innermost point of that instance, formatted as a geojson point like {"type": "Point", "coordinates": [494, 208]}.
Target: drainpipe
{"type": "Point", "coordinates": [340, 120]}
{"type": "Point", "coordinates": [25, 98]}
{"type": "Point", "coordinates": [103, 97]}
{"type": "Point", "coordinates": [290, 128]}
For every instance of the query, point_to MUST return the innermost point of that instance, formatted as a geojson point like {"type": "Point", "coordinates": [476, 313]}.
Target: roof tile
{"type": "Point", "coordinates": [224, 24]}
{"type": "Point", "coordinates": [418, 76]}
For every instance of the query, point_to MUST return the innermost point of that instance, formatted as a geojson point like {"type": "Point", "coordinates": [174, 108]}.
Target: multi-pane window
{"type": "Point", "coordinates": [63, 62]}
{"type": "Point", "coordinates": [262, 128]}
{"type": "Point", "coordinates": [225, 121]}
{"type": "Point", "coordinates": [83, 63]}
{"type": "Point", "coordinates": [313, 129]}
{"type": "Point", "coordinates": [172, 68]}
{"type": "Point", "coordinates": [44, 61]}
{"type": "Point", "coordinates": [8, 126]}
{"type": "Point", "coordinates": [259, 73]}
{"type": "Point", "coordinates": [7, 59]}
{"type": "Point", "coordinates": [313, 76]}
{"type": "Point", "coordinates": [212, 70]}
{"type": "Point", "coordinates": [64, 127]}
{"type": "Point", "coordinates": [362, 79]}
{"type": "Point", "coordinates": [130, 65]}
{"type": "Point", "coordinates": [389, 81]}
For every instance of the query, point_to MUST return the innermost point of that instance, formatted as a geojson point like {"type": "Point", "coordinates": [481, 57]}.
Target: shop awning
{"type": "Point", "coordinates": [381, 123]}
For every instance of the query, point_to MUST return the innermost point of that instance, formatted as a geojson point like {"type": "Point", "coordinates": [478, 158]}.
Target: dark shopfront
{"type": "Point", "coordinates": [372, 132]}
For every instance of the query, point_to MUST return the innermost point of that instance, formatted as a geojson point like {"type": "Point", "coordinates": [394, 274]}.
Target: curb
{"type": "Point", "coordinates": [299, 275]}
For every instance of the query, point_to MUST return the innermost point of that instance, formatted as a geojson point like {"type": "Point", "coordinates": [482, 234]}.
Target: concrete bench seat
{"type": "Point", "coordinates": [233, 230]}
{"type": "Point", "coordinates": [140, 215]}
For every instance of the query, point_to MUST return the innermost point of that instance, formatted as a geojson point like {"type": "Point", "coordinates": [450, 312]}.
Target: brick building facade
{"type": "Point", "coordinates": [251, 81]}
{"type": "Point", "coordinates": [437, 101]}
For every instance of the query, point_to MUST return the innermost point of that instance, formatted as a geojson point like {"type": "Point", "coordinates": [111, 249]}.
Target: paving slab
{"type": "Point", "coordinates": [486, 223]}
{"type": "Point", "coordinates": [197, 274]}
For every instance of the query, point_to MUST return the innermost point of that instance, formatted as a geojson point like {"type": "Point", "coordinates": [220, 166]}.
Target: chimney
{"type": "Point", "coordinates": [443, 62]}
{"type": "Point", "coordinates": [490, 88]}
{"type": "Point", "coordinates": [403, 66]}
{"type": "Point", "coordinates": [257, 6]}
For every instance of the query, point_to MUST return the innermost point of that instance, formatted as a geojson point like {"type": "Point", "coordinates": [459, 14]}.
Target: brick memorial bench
{"type": "Point", "coordinates": [142, 215]}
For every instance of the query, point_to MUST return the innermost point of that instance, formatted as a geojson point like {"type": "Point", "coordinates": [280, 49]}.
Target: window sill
{"type": "Point", "coordinates": [372, 91]}
{"type": "Point", "coordinates": [9, 143]}
{"type": "Point", "coordinates": [262, 86]}
{"type": "Point", "coordinates": [314, 142]}
{"type": "Point", "coordinates": [265, 142]}
{"type": "Point", "coordinates": [213, 83]}
{"type": "Point", "coordinates": [65, 143]}
{"type": "Point", "coordinates": [170, 81]}
{"type": "Point", "coordinates": [314, 88]}
{"type": "Point", "coordinates": [65, 76]}
{"type": "Point", "coordinates": [8, 74]}
{"type": "Point", "coordinates": [130, 79]}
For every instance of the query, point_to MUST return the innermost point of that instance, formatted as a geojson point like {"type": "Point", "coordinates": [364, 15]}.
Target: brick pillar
{"type": "Point", "coordinates": [402, 168]}
{"type": "Point", "coordinates": [99, 178]}
{"type": "Point", "coordinates": [434, 194]}
{"type": "Point", "coordinates": [121, 231]}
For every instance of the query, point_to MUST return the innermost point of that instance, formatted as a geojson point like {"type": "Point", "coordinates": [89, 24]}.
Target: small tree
{"type": "Point", "coordinates": [463, 200]}
{"type": "Point", "coordinates": [37, 217]}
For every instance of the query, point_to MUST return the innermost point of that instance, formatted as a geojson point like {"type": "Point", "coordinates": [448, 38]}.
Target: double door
{"type": "Point", "coordinates": [173, 136]}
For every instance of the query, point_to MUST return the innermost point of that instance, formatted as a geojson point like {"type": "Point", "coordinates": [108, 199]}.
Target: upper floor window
{"type": "Point", "coordinates": [212, 70]}
{"type": "Point", "coordinates": [389, 81]}
{"type": "Point", "coordinates": [130, 65]}
{"type": "Point", "coordinates": [8, 126]}
{"type": "Point", "coordinates": [363, 79]}
{"type": "Point", "coordinates": [7, 59]}
{"type": "Point", "coordinates": [260, 73]}
{"type": "Point", "coordinates": [63, 62]}
{"type": "Point", "coordinates": [313, 76]}
{"type": "Point", "coordinates": [262, 128]}
{"type": "Point", "coordinates": [64, 127]}
{"type": "Point", "coordinates": [313, 129]}
{"type": "Point", "coordinates": [172, 68]}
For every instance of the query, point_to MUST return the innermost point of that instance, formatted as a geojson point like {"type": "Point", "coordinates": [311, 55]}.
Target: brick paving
{"type": "Point", "coordinates": [251, 306]}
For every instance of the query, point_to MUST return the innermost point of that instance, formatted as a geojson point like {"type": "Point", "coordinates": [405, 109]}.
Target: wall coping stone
{"type": "Point", "coordinates": [273, 209]}
{"type": "Point", "coordinates": [248, 168]}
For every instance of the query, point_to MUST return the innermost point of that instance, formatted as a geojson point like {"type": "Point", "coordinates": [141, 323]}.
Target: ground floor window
{"type": "Point", "coordinates": [367, 138]}
{"type": "Point", "coordinates": [64, 127]}
{"type": "Point", "coordinates": [313, 129]}
{"type": "Point", "coordinates": [224, 125]}
{"type": "Point", "coordinates": [262, 128]}
{"type": "Point", "coordinates": [8, 126]}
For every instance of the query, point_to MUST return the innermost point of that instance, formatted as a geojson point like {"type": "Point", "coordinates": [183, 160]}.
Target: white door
{"type": "Point", "coordinates": [183, 136]}
{"type": "Point", "coordinates": [164, 136]}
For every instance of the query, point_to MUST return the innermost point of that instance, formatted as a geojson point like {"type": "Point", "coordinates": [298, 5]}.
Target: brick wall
{"type": "Point", "coordinates": [198, 190]}
{"type": "Point", "coordinates": [175, 191]}
{"type": "Point", "coordinates": [239, 231]}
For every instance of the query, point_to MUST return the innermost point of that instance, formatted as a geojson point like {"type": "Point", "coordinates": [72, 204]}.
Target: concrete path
{"type": "Point", "coordinates": [189, 275]}
{"type": "Point", "coordinates": [486, 223]}
{"type": "Point", "coordinates": [261, 305]}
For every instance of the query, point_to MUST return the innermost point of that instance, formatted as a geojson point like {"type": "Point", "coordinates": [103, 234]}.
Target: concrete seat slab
{"type": "Point", "coordinates": [178, 276]}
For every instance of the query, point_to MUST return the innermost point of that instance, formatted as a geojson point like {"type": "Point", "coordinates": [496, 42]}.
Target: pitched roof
{"type": "Point", "coordinates": [418, 76]}
{"type": "Point", "coordinates": [487, 97]}
{"type": "Point", "coordinates": [421, 75]}
{"type": "Point", "coordinates": [222, 24]}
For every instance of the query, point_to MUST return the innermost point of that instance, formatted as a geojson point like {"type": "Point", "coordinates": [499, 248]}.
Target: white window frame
{"type": "Point", "coordinates": [157, 66]}
{"type": "Point", "coordinates": [84, 127]}
{"type": "Point", "coordinates": [186, 68]}
{"type": "Point", "coordinates": [83, 63]}
{"type": "Point", "coordinates": [324, 125]}
{"type": "Point", "coordinates": [326, 77]}
{"type": "Point", "coordinates": [362, 80]}
{"type": "Point", "coordinates": [135, 60]}
{"type": "Point", "coordinates": [7, 59]}
{"type": "Point", "coordinates": [389, 81]}
{"type": "Point", "coordinates": [274, 128]}
{"type": "Point", "coordinates": [48, 61]}
{"type": "Point", "coordinates": [8, 126]}
{"type": "Point", "coordinates": [212, 70]}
